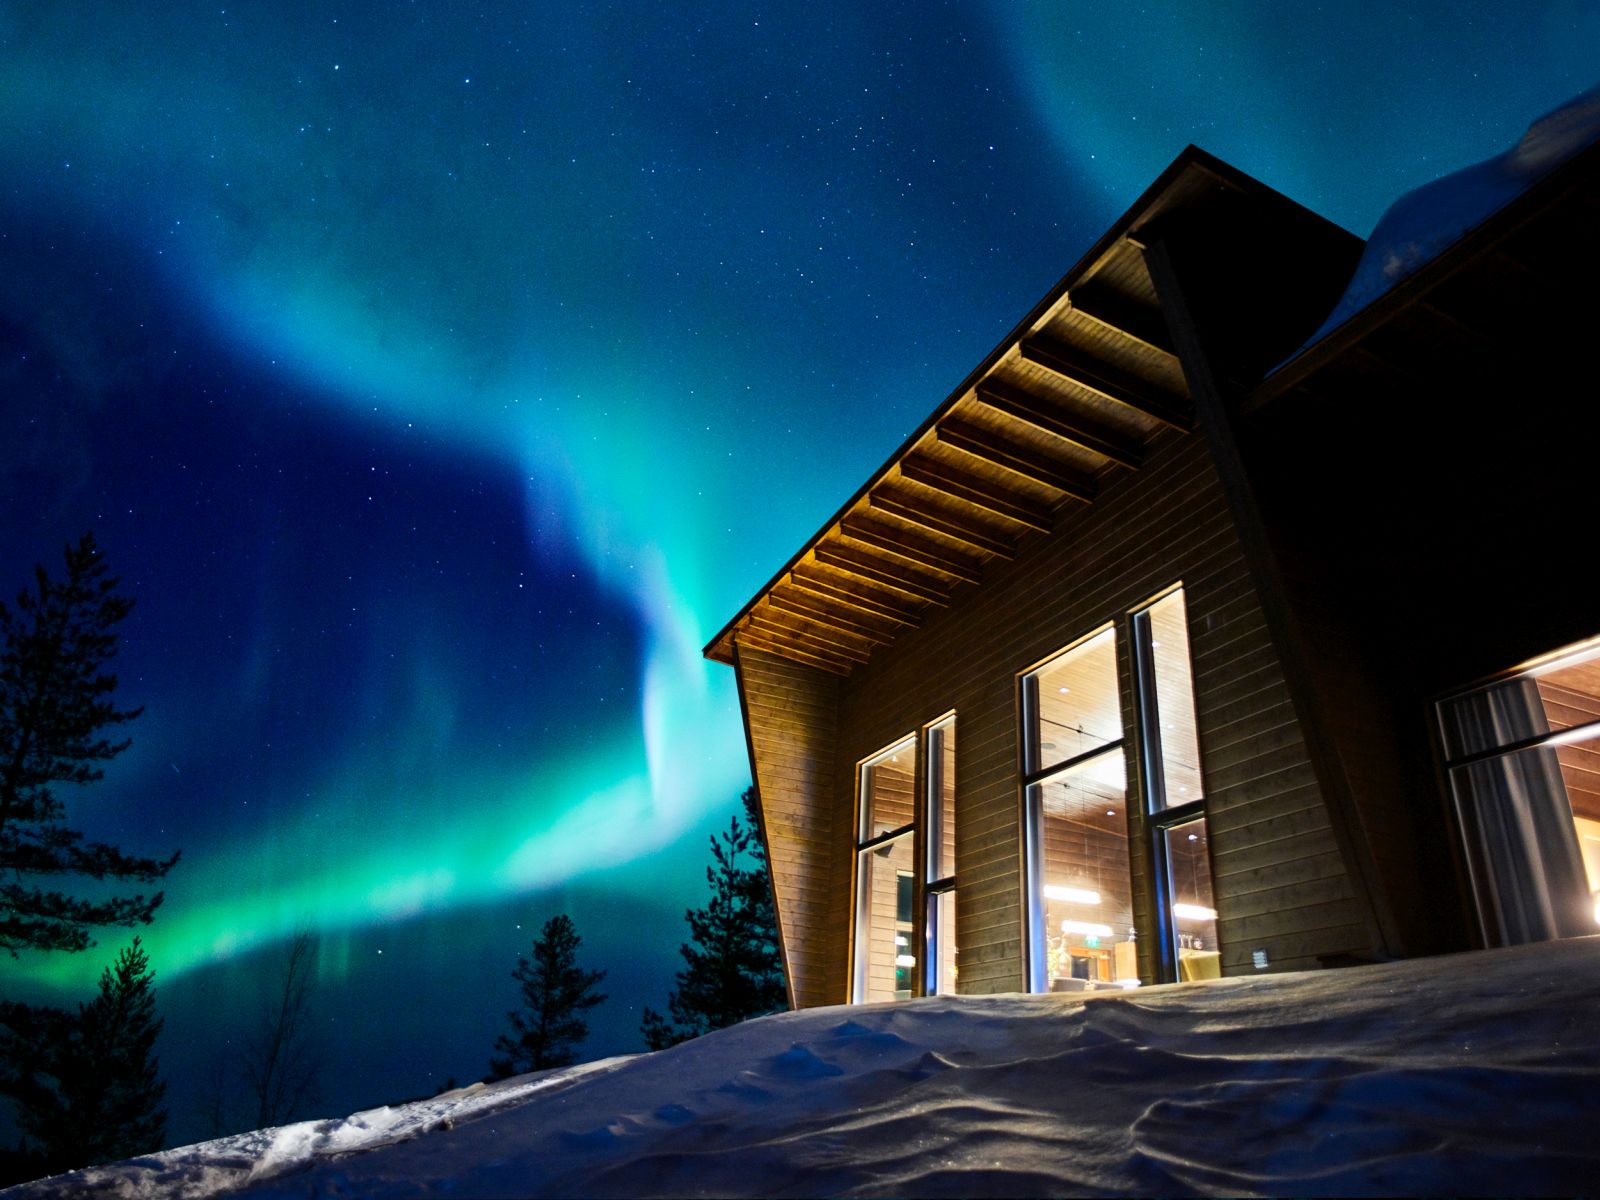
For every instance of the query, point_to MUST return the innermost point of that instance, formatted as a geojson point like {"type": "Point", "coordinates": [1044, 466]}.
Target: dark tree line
{"type": "Point", "coordinates": [732, 968]}
{"type": "Point", "coordinates": [85, 1083]}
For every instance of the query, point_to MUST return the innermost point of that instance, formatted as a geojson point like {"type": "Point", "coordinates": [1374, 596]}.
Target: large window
{"type": "Point", "coordinates": [939, 799]}
{"type": "Point", "coordinates": [885, 950]}
{"type": "Point", "coordinates": [1082, 932]}
{"type": "Point", "coordinates": [1523, 756]}
{"type": "Point", "coordinates": [1169, 749]}
{"type": "Point", "coordinates": [891, 884]}
{"type": "Point", "coordinates": [1080, 888]}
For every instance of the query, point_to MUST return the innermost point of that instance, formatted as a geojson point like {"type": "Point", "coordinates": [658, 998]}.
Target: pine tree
{"type": "Point", "coordinates": [556, 993]}
{"type": "Point", "coordinates": [88, 1082]}
{"type": "Point", "coordinates": [733, 968]}
{"type": "Point", "coordinates": [55, 702]}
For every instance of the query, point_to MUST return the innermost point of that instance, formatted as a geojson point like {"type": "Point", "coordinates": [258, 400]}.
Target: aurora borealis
{"type": "Point", "coordinates": [439, 379]}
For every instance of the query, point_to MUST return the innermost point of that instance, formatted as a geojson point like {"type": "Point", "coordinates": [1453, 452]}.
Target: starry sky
{"type": "Point", "coordinates": [439, 378]}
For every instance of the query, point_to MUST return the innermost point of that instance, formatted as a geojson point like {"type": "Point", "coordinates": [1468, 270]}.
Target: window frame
{"type": "Point", "coordinates": [864, 845]}
{"type": "Point", "coordinates": [1159, 817]}
{"type": "Point", "coordinates": [1148, 815]}
{"type": "Point", "coordinates": [1451, 765]}
{"type": "Point", "coordinates": [1034, 777]}
{"type": "Point", "coordinates": [934, 886]}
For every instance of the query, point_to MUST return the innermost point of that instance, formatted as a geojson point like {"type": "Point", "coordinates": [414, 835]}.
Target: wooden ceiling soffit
{"type": "Point", "coordinates": [1001, 451]}
{"type": "Point", "coordinates": [812, 640]}
{"type": "Point", "coordinates": [1019, 404]}
{"type": "Point", "coordinates": [956, 526]}
{"type": "Point", "coordinates": [1128, 390]}
{"type": "Point", "coordinates": [757, 640]}
{"type": "Point", "coordinates": [975, 491]}
{"type": "Point", "coordinates": [820, 585]}
{"type": "Point", "coordinates": [821, 610]}
{"type": "Point", "coordinates": [911, 547]}
{"type": "Point", "coordinates": [857, 562]}
{"type": "Point", "coordinates": [1125, 317]}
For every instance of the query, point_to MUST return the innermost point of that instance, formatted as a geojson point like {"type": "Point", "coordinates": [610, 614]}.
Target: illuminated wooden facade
{"type": "Point", "coordinates": [1139, 432]}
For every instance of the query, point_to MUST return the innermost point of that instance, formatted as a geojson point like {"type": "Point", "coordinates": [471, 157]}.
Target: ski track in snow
{"type": "Point", "coordinates": [1468, 1074]}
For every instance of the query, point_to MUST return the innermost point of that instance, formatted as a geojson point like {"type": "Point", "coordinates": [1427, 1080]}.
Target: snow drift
{"type": "Point", "coordinates": [1467, 1074]}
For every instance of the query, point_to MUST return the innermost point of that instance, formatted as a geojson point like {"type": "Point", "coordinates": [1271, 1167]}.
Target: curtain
{"type": "Point", "coordinates": [1527, 870]}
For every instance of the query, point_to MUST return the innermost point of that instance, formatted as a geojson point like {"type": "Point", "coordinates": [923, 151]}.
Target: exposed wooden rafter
{"type": "Point", "coordinates": [976, 492]}
{"type": "Point", "coordinates": [954, 525]}
{"type": "Point", "coordinates": [911, 547]}
{"type": "Point", "coordinates": [1000, 451]}
{"type": "Point", "coordinates": [1022, 405]}
{"type": "Point", "coordinates": [818, 584]}
{"type": "Point", "coordinates": [824, 611]}
{"type": "Point", "coordinates": [857, 562]}
{"type": "Point", "coordinates": [816, 639]}
{"type": "Point", "coordinates": [1127, 318]}
{"type": "Point", "coordinates": [1110, 382]}
{"type": "Point", "coordinates": [755, 639]}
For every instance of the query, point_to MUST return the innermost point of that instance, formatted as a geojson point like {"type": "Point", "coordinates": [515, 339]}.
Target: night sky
{"type": "Point", "coordinates": [439, 378]}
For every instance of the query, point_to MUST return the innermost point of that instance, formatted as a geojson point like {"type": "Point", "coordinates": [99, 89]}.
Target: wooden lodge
{"type": "Point", "coordinates": [1171, 646]}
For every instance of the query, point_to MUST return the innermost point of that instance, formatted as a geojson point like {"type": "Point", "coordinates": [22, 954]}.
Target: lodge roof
{"type": "Point", "coordinates": [1069, 398]}
{"type": "Point", "coordinates": [1076, 392]}
{"type": "Point", "coordinates": [1504, 291]}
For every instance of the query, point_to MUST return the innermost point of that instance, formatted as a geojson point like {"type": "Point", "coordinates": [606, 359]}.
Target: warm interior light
{"type": "Point", "coordinates": [1087, 928]}
{"type": "Point", "coordinates": [1071, 895]}
{"type": "Point", "coordinates": [1194, 912]}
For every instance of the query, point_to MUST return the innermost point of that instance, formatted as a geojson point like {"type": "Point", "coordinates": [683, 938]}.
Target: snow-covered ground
{"type": "Point", "coordinates": [1468, 1074]}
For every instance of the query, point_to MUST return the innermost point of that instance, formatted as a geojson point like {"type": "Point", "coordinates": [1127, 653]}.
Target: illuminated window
{"type": "Point", "coordinates": [891, 884]}
{"type": "Point", "coordinates": [1523, 756]}
{"type": "Point", "coordinates": [1080, 888]}
{"type": "Point", "coordinates": [885, 949]}
{"type": "Point", "coordinates": [1082, 932]}
{"type": "Point", "coordinates": [1169, 749]}
{"type": "Point", "coordinates": [939, 799]}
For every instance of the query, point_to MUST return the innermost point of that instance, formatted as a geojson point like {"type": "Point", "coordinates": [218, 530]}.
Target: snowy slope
{"type": "Point", "coordinates": [1421, 224]}
{"type": "Point", "coordinates": [1472, 1074]}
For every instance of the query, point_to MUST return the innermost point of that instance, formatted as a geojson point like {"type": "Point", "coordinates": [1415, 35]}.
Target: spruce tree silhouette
{"type": "Point", "coordinates": [556, 992]}
{"type": "Point", "coordinates": [55, 704]}
{"type": "Point", "coordinates": [87, 1082]}
{"type": "Point", "coordinates": [733, 969]}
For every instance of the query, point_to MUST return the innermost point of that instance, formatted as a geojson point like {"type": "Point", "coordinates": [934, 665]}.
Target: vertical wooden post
{"type": "Point", "coordinates": [1215, 423]}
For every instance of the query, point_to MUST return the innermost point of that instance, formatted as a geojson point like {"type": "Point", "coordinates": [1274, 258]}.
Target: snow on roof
{"type": "Point", "coordinates": [1467, 1074]}
{"type": "Point", "coordinates": [1423, 223]}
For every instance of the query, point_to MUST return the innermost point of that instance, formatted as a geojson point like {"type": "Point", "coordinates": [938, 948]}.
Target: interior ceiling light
{"type": "Point", "coordinates": [1194, 912]}
{"type": "Point", "coordinates": [1071, 895]}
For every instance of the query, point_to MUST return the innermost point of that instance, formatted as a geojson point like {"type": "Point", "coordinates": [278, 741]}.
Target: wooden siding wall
{"type": "Point", "coordinates": [1280, 881]}
{"type": "Point", "coordinates": [789, 720]}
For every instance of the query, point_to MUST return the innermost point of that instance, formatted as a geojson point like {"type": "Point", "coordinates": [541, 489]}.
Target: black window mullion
{"type": "Point", "coordinates": [873, 843]}
{"type": "Point", "coordinates": [1182, 814]}
{"type": "Point", "coordinates": [1059, 768]}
